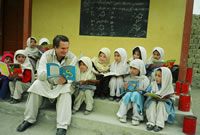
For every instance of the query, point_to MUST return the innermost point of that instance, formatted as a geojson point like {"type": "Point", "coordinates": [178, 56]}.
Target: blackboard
{"type": "Point", "coordinates": [117, 18]}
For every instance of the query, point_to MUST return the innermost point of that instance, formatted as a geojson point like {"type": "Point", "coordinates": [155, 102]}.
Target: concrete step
{"type": "Point", "coordinates": [102, 120]}
{"type": "Point", "coordinates": [111, 107]}
{"type": "Point", "coordinates": [44, 126]}
{"type": "Point", "coordinates": [95, 123]}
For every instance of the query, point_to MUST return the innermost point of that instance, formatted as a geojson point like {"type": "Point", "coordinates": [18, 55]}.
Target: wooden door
{"type": "Point", "coordinates": [13, 11]}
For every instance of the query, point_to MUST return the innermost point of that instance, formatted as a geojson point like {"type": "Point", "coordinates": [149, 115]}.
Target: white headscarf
{"type": "Point", "coordinates": [88, 75]}
{"type": "Point", "coordinates": [143, 80]}
{"type": "Point", "coordinates": [122, 66]}
{"type": "Point", "coordinates": [143, 54]}
{"type": "Point", "coordinates": [161, 51]}
{"type": "Point", "coordinates": [42, 40]}
{"type": "Point", "coordinates": [31, 51]}
{"type": "Point", "coordinates": [105, 66]}
{"type": "Point", "coordinates": [26, 64]}
{"type": "Point", "coordinates": [166, 85]}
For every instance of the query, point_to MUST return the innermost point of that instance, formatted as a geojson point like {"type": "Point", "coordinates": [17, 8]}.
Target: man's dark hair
{"type": "Point", "coordinates": [58, 38]}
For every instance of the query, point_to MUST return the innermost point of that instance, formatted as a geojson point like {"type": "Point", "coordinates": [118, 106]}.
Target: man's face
{"type": "Point", "coordinates": [62, 49]}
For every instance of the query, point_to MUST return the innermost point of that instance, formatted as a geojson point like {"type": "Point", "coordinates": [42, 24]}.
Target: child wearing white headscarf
{"type": "Point", "coordinates": [101, 64]}
{"type": "Point", "coordinates": [139, 52]}
{"type": "Point", "coordinates": [84, 73]}
{"type": "Point", "coordinates": [157, 56]}
{"type": "Point", "coordinates": [19, 85]}
{"type": "Point", "coordinates": [160, 110]}
{"type": "Point", "coordinates": [136, 82]}
{"type": "Point", "coordinates": [120, 67]}
{"type": "Point", "coordinates": [32, 51]}
{"type": "Point", "coordinates": [43, 41]}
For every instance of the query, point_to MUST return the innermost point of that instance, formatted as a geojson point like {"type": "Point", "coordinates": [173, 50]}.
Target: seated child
{"type": "Point", "coordinates": [43, 41]}
{"type": "Point", "coordinates": [139, 52]}
{"type": "Point", "coordinates": [19, 85]}
{"type": "Point", "coordinates": [120, 67]}
{"type": "Point", "coordinates": [4, 87]}
{"type": "Point", "coordinates": [133, 98]}
{"type": "Point", "coordinates": [32, 52]}
{"type": "Point", "coordinates": [157, 55]}
{"type": "Point", "coordinates": [101, 64]}
{"type": "Point", "coordinates": [84, 73]}
{"type": "Point", "coordinates": [162, 109]}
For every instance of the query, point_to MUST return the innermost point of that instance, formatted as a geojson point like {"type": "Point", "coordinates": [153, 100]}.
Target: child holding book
{"type": "Point", "coordinates": [19, 85]}
{"type": "Point", "coordinates": [42, 42]}
{"type": "Point", "coordinates": [157, 56]}
{"type": "Point", "coordinates": [134, 84]}
{"type": "Point", "coordinates": [101, 65]}
{"type": "Point", "coordinates": [120, 67]}
{"type": "Point", "coordinates": [139, 52]}
{"type": "Point", "coordinates": [32, 52]}
{"type": "Point", "coordinates": [4, 87]}
{"type": "Point", "coordinates": [159, 110]}
{"type": "Point", "coordinates": [84, 74]}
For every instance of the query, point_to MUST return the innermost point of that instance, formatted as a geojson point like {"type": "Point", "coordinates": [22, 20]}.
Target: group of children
{"type": "Point", "coordinates": [28, 59]}
{"type": "Point", "coordinates": [127, 84]}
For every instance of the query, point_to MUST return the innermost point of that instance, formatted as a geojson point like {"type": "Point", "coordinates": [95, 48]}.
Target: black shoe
{"type": "Point", "coordinates": [117, 99]}
{"type": "Point", "coordinates": [61, 131]}
{"type": "Point", "coordinates": [15, 101]}
{"type": "Point", "coordinates": [157, 129]}
{"type": "Point", "coordinates": [23, 126]}
{"type": "Point", "coordinates": [150, 127]}
{"type": "Point", "coordinates": [111, 98]}
{"type": "Point", "coordinates": [11, 99]}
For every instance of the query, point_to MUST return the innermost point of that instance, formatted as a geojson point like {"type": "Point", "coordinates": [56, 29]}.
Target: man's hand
{"type": "Point", "coordinates": [61, 80]}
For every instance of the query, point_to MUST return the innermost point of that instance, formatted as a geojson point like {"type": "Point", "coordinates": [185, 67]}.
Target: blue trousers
{"type": "Point", "coordinates": [4, 88]}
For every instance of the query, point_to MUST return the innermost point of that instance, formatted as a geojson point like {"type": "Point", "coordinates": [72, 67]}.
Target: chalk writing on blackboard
{"type": "Point", "coordinates": [117, 18]}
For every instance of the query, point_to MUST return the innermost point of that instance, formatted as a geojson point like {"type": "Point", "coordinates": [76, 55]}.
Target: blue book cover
{"type": "Point", "coordinates": [132, 85]}
{"type": "Point", "coordinates": [54, 70]}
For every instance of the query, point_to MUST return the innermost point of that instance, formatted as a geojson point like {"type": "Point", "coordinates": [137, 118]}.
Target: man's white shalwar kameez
{"type": "Point", "coordinates": [49, 88]}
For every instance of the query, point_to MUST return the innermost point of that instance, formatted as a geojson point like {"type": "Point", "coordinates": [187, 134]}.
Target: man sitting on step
{"type": "Point", "coordinates": [56, 89]}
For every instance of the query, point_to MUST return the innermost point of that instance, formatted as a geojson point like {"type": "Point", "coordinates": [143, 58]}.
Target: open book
{"type": "Point", "coordinates": [54, 70]}
{"type": "Point", "coordinates": [168, 64]}
{"type": "Point", "coordinates": [132, 87]}
{"type": "Point", "coordinates": [11, 69]}
{"type": "Point", "coordinates": [158, 96]}
{"type": "Point", "coordinates": [87, 84]}
{"type": "Point", "coordinates": [43, 48]}
{"type": "Point", "coordinates": [111, 74]}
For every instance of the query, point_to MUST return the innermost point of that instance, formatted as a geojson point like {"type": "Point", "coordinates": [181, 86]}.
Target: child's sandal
{"type": "Point", "coordinates": [150, 127]}
{"type": "Point", "coordinates": [157, 128]}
